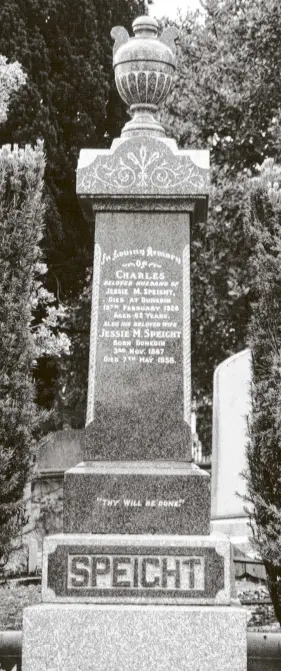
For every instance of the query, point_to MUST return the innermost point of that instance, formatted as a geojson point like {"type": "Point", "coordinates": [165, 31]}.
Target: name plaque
{"type": "Point", "coordinates": [135, 573]}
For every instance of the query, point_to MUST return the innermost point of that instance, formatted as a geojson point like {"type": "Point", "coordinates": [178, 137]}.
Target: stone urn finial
{"type": "Point", "coordinates": [144, 67]}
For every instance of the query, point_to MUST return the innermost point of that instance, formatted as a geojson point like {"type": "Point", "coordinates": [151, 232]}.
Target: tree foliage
{"type": "Point", "coordinates": [70, 102]}
{"type": "Point", "coordinates": [226, 98]}
{"type": "Point", "coordinates": [21, 225]}
{"type": "Point", "coordinates": [264, 448]}
{"type": "Point", "coordinates": [66, 52]}
{"type": "Point", "coordinates": [12, 78]}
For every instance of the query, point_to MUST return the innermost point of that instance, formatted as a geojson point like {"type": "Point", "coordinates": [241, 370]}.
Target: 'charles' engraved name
{"type": "Point", "coordinates": [92, 572]}
{"type": "Point", "coordinates": [125, 275]}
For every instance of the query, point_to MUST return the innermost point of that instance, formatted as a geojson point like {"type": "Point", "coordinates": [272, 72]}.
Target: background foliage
{"type": "Point", "coordinates": [21, 224]}
{"type": "Point", "coordinates": [227, 98]}
{"type": "Point", "coordinates": [264, 448]}
{"type": "Point", "coordinates": [23, 335]}
{"type": "Point", "coordinates": [69, 100]}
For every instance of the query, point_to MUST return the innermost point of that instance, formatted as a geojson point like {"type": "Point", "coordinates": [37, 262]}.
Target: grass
{"type": "Point", "coordinates": [14, 597]}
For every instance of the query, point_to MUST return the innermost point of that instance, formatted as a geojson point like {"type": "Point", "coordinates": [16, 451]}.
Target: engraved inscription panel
{"type": "Point", "coordinates": [140, 329]}
{"type": "Point", "coordinates": [141, 307]}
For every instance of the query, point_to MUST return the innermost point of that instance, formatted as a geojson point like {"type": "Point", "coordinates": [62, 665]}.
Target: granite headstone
{"type": "Point", "coordinates": [136, 540]}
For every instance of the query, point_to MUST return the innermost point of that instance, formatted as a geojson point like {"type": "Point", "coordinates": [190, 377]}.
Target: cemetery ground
{"type": "Point", "coordinates": [18, 593]}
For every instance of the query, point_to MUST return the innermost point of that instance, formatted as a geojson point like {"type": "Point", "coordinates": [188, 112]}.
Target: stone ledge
{"type": "Point", "coordinates": [142, 467]}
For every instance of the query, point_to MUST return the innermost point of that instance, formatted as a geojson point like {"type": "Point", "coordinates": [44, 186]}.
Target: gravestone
{"type": "Point", "coordinates": [231, 408]}
{"type": "Point", "coordinates": [136, 579]}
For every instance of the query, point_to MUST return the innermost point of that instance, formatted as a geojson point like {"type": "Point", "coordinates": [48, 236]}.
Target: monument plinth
{"type": "Point", "coordinates": [137, 497]}
{"type": "Point", "coordinates": [136, 578]}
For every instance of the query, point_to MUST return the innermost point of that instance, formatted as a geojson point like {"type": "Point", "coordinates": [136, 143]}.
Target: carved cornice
{"type": "Point", "coordinates": [141, 166]}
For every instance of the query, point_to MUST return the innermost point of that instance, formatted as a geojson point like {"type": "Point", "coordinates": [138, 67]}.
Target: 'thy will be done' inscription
{"type": "Point", "coordinates": [140, 311]}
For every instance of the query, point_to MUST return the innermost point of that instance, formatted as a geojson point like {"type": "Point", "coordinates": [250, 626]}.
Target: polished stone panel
{"type": "Point", "coordinates": [139, 395]}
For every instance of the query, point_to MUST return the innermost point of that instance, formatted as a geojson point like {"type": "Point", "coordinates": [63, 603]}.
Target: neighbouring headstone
{"type": "Point", "coordinates": [32, 555]}
{"type": "Point", "coordinates": [231, 408]}
{"type": "Point", "coordinates": [59, 450]}
{"type": "Point", "coordinates": [136, 542]}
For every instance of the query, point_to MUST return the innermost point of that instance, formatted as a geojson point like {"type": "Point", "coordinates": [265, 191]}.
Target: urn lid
{"type": "Point", "coordinates": [145, 45]}
{"type": "Point", "coordinates": [145, 24]}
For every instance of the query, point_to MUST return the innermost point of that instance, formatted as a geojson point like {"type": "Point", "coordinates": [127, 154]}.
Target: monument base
{"type": "Point", "coordinates": [66, 637]}
{"type": "Point", "coordinates": [139, 497]}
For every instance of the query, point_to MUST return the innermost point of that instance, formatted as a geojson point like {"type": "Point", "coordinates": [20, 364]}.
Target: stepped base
{"type": "Point", "coordinates": [66, 637]}
{"type": "Point", "coordinates": [137, 497]}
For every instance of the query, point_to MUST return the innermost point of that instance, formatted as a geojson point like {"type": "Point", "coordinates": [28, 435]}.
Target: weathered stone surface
{"type": "Point", "coordinates": [139, 398]}
{"type": "Point", "coordinates": [67, 637]}
{"type": "Point", "coordinates": [137, 497]}
{"type": "Point", "coordinates": [137, 569]}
